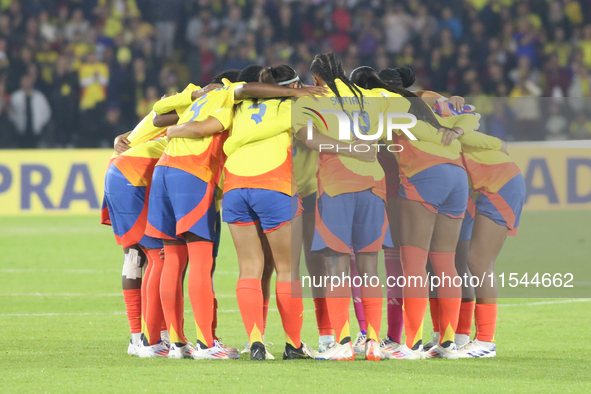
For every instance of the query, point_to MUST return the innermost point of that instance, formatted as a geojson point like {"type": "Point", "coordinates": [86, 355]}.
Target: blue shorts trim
{"type": "Point", "coordinates": [270, 208]}
{"type": "Point", "coordinates": [505, 206]}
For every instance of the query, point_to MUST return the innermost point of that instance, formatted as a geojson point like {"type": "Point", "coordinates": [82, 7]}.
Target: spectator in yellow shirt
{"type": "Point", "coordinates": [94, 78]}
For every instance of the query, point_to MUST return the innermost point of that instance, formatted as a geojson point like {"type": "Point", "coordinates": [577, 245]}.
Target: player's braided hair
{"type": "Point", "coordinates": [367, 78]}
{"type": "Point", "coordinates": [328, 67]}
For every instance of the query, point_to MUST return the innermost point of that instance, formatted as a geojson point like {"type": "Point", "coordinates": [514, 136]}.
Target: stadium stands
{"type": "Point", "coordinates": [77, 73]}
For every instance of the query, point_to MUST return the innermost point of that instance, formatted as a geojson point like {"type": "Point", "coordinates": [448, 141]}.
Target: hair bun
{"type": "Point", "coordinates": [407, 75]}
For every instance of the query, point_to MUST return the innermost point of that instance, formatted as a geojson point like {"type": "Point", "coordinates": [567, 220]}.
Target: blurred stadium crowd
{"type": "Point", "coordinates": [77, 73]}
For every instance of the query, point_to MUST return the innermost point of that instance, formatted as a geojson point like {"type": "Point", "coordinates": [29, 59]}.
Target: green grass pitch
{"type": "Point", "coordinates": [63, 327]}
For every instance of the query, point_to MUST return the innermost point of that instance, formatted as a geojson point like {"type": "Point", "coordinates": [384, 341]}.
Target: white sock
{"type": "Point", "coordinates": [136, 337]}
{"type": "Point", "coordinates": [325, 338]}
{"type": "Point", "coordinates": [461, 339]}
{"type": "Point", "coordinates": [164, 336]}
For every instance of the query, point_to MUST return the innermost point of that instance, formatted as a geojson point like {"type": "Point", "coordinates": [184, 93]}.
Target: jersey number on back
{"type": "Point", "coordinates": [258, 117]}
{"type": "Point", "coordinates": [196, 107]}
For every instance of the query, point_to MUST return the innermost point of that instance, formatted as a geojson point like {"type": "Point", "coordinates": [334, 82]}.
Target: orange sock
{"type": "Point", "coordinates": [486, 321]}
{"type": "Point", "coordinates": [171, 290]}
{"type": "Point", "coordinates": [337, 302]}
{"type": "Point", "coordinates": [133, 308]}
{"type": "Point", "coordinates": [414, 263]}
{"type": "Point", "coordinates": [250, 303]}
{"type": "Point", "coordinates": [465, 320]}
{"type": "Point", "coordinates": [322, 318]}
{"type": "Point", "coordinates": [265, 313]}
{"type": "Point", "coordinates": [154, 317]}
{"type": "Point", "coordinates": [450, 296]}
{"type": "Point", "coordinates": [291, 310]}
{"type": "Point", "coordinates": [201, 289]}
{"type": "Point", "coordinates": [214, 323]}
{"type": "Point", "coordinates": [434, 309]}
{"type": "Point", "coordinates": [372, 300]}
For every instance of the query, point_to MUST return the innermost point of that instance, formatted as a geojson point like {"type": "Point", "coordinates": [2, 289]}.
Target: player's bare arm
{"type": "Point", "coordinates": [195, 129]}
{"type": "Point", "coordinates": [265, 90]}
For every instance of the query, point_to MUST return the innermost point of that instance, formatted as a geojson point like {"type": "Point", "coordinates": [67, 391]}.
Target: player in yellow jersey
{"type": "Point", "coordinates": [499, 193]}
{"type": "Point", "coordinates": [127, 185]}
{"type": "Point", "coordinates": [350, 209]}
{"type": "Point", "coordinates": [499, 190]}
{"type": "Point", "coordinates": [433, 197]}
{"type": "Point", "coordinates": [182, 211]}
{"type": "Point", "coordinates": [182, 204]}
{"type": "Point", "coordinates": [404, 77]}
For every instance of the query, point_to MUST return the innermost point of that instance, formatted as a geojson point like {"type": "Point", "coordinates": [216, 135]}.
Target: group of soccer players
{"type": "Point", "coordinates": [240, 147]}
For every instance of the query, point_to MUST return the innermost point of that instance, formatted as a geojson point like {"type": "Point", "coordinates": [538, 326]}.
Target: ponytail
{"type": "Point", "coordinates": [328, 67]}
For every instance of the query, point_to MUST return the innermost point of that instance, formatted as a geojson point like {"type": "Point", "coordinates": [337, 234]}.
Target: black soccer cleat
{"type": "Point", "coordinates": [291, 353]}
{"type": "Point", "coordinates": [257, 351]}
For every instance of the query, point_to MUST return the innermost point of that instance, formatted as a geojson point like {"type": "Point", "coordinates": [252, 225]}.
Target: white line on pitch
{"type": "Point", "coordinates": [81, 271]}
{"type": "Point", "coordinates": [270, 309]}
{"type": "Point", "coordinates": [89, 295]}
{"type": "Point", "coordinates": [104, 313]}
{"type": "Point", "coordinates": [549, 302]}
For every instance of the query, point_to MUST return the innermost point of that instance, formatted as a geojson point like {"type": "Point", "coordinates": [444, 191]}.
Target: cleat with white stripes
{"type": "Point", "coordinates": [405, 353]}
{"type": "Point", "coordinates": [478, 349]}
{"type": "Point", "coordinates": [216, 352]}
{"type": "Point", "coordinates": [450, 351]}
{"type": "Point", "coordinates": [359, 344]}
{"type": "Point", "coordinates": [181, 351]}
{"type": "Point", "coordinates": [158, 350]}
{"type": "Point", "coordinates": [229, 349]}
{"type": "Point", "coordinates": [388, 347]}
{"type": "Point", "coordinates": [338, 352]}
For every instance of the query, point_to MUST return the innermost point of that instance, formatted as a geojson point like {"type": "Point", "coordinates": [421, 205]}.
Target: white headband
{"type": "Point", "coordinates": [288, 82]}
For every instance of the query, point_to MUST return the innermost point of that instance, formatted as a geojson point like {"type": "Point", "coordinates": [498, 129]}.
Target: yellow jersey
{"type": "Point", "coordinates": [203, 157]}
{"type": "Point", "coordinates": [338, 174]}
{"type": "Point", "coordinates": [264, 163]}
